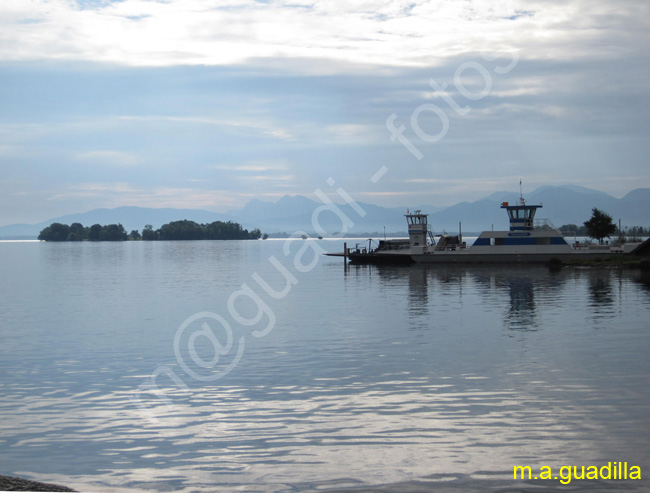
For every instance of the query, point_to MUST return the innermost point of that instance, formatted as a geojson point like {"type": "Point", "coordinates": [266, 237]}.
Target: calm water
{"type": "Point", "coordinates": [408, 377]}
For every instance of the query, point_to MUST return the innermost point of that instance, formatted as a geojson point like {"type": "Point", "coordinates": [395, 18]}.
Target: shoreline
{"type": "Point", "coordinates": [13, 483]}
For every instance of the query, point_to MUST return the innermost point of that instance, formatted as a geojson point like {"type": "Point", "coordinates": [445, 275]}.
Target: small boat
{"type": "Point", "coordinates": [527, 241]}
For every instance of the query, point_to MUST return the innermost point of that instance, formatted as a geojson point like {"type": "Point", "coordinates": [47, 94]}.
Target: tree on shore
{"type": "Point", "coordinates": [600, 225]}
{"type": "Point", "coordinates": [574, 228]}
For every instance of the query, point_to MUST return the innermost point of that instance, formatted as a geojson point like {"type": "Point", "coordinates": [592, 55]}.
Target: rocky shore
{"type": "Point", "coordinates": [9, 483]}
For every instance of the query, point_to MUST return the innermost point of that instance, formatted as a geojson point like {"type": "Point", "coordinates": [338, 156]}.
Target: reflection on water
{"type": "Point", "coordinates": [525, 288]}
{"type": "Point", "coordinates": [418, 292]}
{"type": "Point", "coordinates": [600, 291]}
{"type": "Point", "coordinates": [643, 280]}
{"type": "Point", "coordinates": [522, 305]}
{"type": "Point", "coordinates": [408, 377]}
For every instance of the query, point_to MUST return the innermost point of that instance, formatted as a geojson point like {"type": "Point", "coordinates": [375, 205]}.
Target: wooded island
{"type": "Point", "coordinates": [175, 230]}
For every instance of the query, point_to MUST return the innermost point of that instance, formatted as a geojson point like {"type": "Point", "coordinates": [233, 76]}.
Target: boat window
{"type": "Point", "coordinates": [417, 219]}
{"type": "Point", "coordinates": [522, 213]}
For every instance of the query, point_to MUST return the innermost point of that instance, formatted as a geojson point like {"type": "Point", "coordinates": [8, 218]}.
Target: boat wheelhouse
{"type": "Point", "coordinates": [523, 233]}
{"type": "Point", "coordinates": [420, 236]}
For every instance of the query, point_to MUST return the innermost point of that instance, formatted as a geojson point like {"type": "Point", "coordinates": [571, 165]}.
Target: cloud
{"type": "Point", "coordinates": [259, 126]}
{"type": "Point", "coordinates": [115, 194]}
{"type": "Point", "coordinates": [385, 32]}
{"type": "Point", "coordinates": [355, 133]}
{"type": "Point", "coordinates": [107, 157]}
{"type": "Point", "coordinates": [286, 178]}
{"type": "Point", "coordinates": [92, 190]}
{"type": "Point", "coordinates": [252, 166]}
{"type": "Point", "coordinates": [208, 102]}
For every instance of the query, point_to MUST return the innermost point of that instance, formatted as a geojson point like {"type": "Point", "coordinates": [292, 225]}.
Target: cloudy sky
{"type": "Point", "coordinates": [210, 103]}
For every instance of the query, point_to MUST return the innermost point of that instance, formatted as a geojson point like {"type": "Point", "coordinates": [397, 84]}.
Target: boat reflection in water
{"type": "Point", "coordinates": [538, 356]}
{"type": "Point", "coordinates": [520, 292]}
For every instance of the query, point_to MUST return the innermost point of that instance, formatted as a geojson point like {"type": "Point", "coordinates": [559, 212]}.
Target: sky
{"type": "Point", "coordinates": [208, 104]}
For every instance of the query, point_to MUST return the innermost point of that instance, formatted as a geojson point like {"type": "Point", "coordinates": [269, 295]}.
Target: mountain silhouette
{"type": "Point", "coordinates": [569, 204]}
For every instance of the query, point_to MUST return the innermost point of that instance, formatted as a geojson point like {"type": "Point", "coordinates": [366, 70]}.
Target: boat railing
{"type": "Point", "coordinates": [432, 238]}
{"type": "Point", "coordinates": [598, 247]}
{"type": "Point", "coordinates": [449, 243]}
{"type": "Point", "coordinates": [575, 243]}
{"type": "Point", "coordinates": [544, 224]}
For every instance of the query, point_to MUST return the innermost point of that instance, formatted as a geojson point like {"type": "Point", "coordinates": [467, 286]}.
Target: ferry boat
{"type": "Point", "coordinates": [524, 242]}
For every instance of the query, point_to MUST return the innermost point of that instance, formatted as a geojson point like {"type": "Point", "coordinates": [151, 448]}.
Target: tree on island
{"type": "Point", "coordinates": [217, 230]}
{"type": "Point", "coordinates": [181, 230]}
{"type": "Point", "coordinates": [600, 225]}
{"type": "Point", "coordinates": [77, 232]}
{"type": "Point", "coordinates": [55, 232]}
{"type": "Point", "coordinates": [94, 232]}
{"type": "Point", "coordinates": [176, 230]}
{"type": "Point", "coordinates": [148, 234]}
{"type": "Point", "coordinates": [113, 232]}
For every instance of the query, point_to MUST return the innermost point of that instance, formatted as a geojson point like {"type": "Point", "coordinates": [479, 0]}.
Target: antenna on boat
{"type": "Point", "coordinates": [521, 194]}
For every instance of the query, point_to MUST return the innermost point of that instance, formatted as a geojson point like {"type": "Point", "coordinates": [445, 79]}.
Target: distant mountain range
{"type": "Point", "coordinates": [561, 204]}
{"type": "Point", "coordinates": [130, 217]}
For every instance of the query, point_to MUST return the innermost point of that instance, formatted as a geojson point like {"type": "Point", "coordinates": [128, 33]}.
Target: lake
{"type": "Point", "coordinates": [265, 366]}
